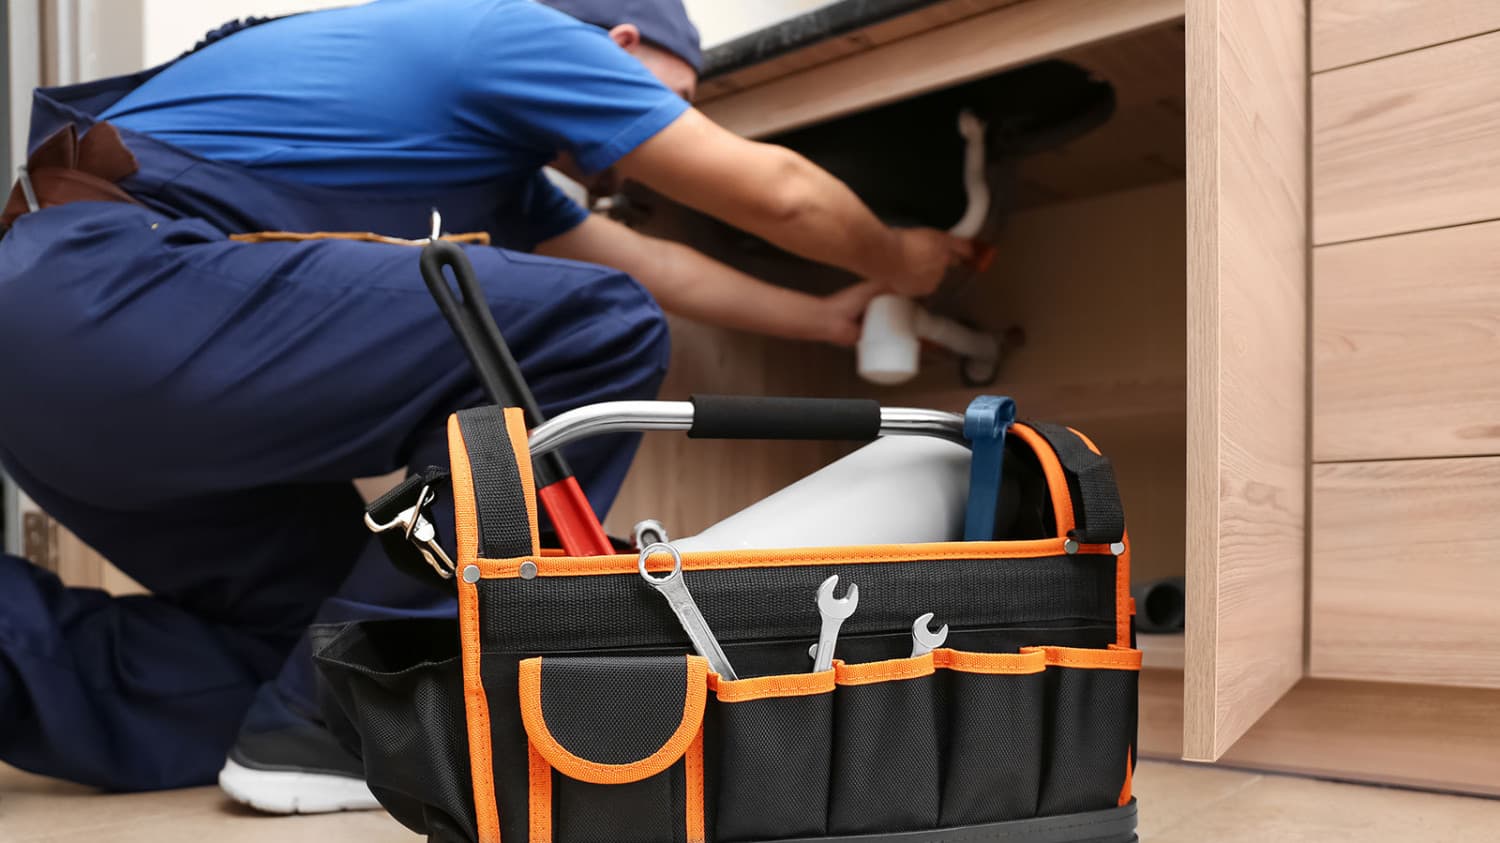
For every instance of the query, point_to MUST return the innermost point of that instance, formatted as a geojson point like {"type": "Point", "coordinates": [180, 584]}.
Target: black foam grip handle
{"type": "Point", "coordinates": [755, 417]}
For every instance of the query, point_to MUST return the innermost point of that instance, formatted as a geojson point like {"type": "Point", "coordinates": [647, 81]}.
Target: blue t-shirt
{"type": "Point", "coordinates": [411, 95]}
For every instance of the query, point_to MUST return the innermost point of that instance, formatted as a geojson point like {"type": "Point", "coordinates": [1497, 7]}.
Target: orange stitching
{"type": "Point", "coordinates": [1115, 658]}
{"type": "Point", "coordinates": [566, 566]}
{"type": "Point", "coordinates": [477, 708]}
{"type": "Point", "coordinates": [693, 765]}
{"type": "Point", "coordinates": [1057, 483]}
{"type": "Point", "coordinates": [540, 801]}
{"type": "Point", "coordinates": [771, 687]}
{"type": "Point", "coordinates": [891, 669]}
{"type": "Point", "coordinates": [998, 664]}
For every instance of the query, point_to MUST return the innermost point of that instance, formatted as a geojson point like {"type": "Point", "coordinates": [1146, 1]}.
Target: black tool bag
{"type": "Point", "coordinates": [563, 705]}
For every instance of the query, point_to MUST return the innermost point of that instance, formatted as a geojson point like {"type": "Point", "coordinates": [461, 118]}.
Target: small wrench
{"type": "Point", "coordinates": [834, 612]}
{"type": "Point", "coordinates": [674, 588]}
{"type": "Point", "coordinates": [650, 531]}
{"type": "Point", "coordinates": [923, 639]}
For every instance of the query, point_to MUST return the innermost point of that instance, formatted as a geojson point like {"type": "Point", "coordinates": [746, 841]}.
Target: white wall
{"type": "Point", "coordinates": [172, 26]}
{"type": "Point", "coordinates": [722, 20]}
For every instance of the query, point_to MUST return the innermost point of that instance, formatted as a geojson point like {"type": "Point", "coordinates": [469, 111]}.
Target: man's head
{"type": "Point", "coordinates": [657, 32]}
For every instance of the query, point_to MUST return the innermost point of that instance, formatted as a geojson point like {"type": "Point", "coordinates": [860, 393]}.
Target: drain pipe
{"type": "Point", "coordinates": [890, 345]}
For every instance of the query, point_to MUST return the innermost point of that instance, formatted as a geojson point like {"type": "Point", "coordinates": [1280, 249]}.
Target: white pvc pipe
{"type": "Point", "coordinates": [889, 347]}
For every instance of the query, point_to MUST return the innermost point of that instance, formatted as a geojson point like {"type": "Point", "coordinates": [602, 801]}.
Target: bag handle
{"type": "Point", "coordinates": [748, 417]}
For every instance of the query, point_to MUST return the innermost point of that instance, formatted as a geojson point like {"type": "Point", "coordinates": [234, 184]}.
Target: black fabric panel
{"type": "Point", "coordinates": [747, 417]}
{"type": "Point", "coordinates": [1091, 481]}
{"type": "Point", "coordinates": [993, 767]}
{"type": "Point", "coordinates": [886, 767]}
{"type": "Point", "coordinates": [613, 710]}
{"type": "Point", "coordinates": [1091, 721]}
{"type": "Point", "coordinates": [393, 691]}
{"type": "Point", "coordinates": [619, 611]}
{"type": "Point", "coordinates": [772, 767]}
{"type": "Point", "coordinates": [504, 525]}
{"type": "Point", "coordinates": [652, 810]}
{"type": "Point", "coordinates": [1116, 825]}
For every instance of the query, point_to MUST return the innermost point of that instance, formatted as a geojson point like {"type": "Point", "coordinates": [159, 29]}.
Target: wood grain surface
{"type": "Point", "coordinates": [1407, 142]}
{"type": "Point", "coordinates": [1411, 735]}
{"type": "Point", "coordinates": [1407, 346]}
{"type": "Point", "coordinates": [1349, 31]}
{"type": "Point", "coordinates": [1247, 364]}
{"type": "Point", "coordinates": [968, 49]}
{"type": "Point", "coordinates": [1405, 572]}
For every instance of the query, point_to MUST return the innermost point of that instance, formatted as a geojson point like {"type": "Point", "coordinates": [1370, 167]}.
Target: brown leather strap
{"type": "Point", "coordinates": [64, 169]}
{"type": "Point", "coordinates": [478, 238]}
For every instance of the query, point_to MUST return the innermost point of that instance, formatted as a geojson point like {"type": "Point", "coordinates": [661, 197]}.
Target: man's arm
{"type": "Point", "coordinates": [779, 195]}
{"type": "Point", "coordinates": [698, 287]}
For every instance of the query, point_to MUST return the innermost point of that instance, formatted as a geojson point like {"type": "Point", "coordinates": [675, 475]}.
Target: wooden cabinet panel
{"type": "Point", "coordinates": [1247, 364]}
{"type": "Point", "coordinates": [961, 51]}
{"type": "Point", "coordinates": [1349, 31]}
{"type": "Point", "coordinates": [1407, 346]}
{"type": "Point", "coordinates": [1407, 142]}
{"type": "Point", "coordinates": [1411, 735]}
{"type": "Point", "coordinates": [1405, 573]}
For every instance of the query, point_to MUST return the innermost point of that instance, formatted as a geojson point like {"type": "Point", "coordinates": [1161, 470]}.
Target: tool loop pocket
{"type": "Point", "coordinates": [773, 741]}
{"type": "Point", "coordinates": [886, 742]}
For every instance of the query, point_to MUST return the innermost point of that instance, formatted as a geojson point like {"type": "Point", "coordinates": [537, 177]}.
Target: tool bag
{"type": "Point", "coordinates": [564, 703]}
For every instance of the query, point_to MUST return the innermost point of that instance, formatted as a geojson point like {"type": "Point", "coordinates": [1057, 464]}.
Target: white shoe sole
{"type": "Point", "coordinates": [294, 792]}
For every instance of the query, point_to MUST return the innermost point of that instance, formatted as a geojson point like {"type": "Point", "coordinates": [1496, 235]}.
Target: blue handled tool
{"type": "Point", "coordinates": [985, 423]}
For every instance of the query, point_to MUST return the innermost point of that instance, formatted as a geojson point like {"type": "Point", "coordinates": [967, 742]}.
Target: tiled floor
{"type": "Point", "coordinates": [1179, 804]}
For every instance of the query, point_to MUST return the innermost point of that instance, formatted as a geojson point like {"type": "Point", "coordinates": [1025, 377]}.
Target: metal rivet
{"type": "Point", "coordinates": [528, 570]}
{"type": "Point", "coordinates": [1118, 548]}
{"type": "Point", "coordinates": [471, 574]}
{"type": "Point", "coordinates": [1070, 547]}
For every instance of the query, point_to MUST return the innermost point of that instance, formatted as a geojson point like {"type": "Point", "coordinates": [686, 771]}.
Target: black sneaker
{"type": "Point", "coordinates": [291, 765]}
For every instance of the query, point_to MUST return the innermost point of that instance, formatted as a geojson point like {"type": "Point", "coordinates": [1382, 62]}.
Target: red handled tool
{"type": "Point", "coordinates": [577, 526]}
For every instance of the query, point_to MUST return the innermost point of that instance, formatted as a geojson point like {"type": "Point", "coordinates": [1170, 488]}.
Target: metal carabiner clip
{"type": "Point", "coordinates": [418, 530]}
{"type": "Point", "coordinates": [24, 177]}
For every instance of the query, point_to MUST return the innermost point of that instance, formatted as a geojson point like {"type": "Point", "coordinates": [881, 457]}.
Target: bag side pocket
{"type": "Point", "coordinates": [773, 739]}
{"type": "Point", "coordinates": [1091, 720]}
{"type": "Point", "coordinates": [993, 766]}
{"type": "Point", "coordinates": [886, 742]}
{"type": "Point", "coordinates": [392, 692]}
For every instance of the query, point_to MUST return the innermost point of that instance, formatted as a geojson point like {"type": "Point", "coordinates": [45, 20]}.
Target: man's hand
{"type": "Point", "coordinates": [926, 254]}
{"type": "Point", "coordinates": [844, 311]}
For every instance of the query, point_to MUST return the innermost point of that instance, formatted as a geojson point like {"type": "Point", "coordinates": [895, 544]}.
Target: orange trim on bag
{"type": "Point", "coordinates": [515, 426]}
{"type": "Point", "coordinates": [998, 664]}
{"type": "Point", "coordinates": [771, 687]}
{"type": "Point", "coordinates": [568, 566]}
{"type": "Point", "coordinates": [1114, 658]}
{"type": "Point", "coordinates": [539, 798]}
{"type": "Point", "coordinates": [693, 763]}
{"type": "Point", "coordinates": [476, 705]}
{"type": "Point", "coordinates": [1057, 481]}
{"type": "Point", "coordinates": [1124, 603]}
{"type": "Point", "coordinates": [594, 772]}
{"type": "Point", "coordinates": [891, 670]}
{"type": "Point", "coordinates": [477, 715]}
{"type": "Point", "coordinates": [1129, 774]}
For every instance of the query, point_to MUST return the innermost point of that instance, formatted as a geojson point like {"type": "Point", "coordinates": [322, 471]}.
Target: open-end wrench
{"type": "Point", "coordinates": [834, 611]}
{"type": "Point", "coordinates": [923, 639]}
{"type": "Point", "coordinates": [675, 589]}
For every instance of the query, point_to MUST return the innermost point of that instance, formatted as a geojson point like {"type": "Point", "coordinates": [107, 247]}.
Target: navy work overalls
{"type": "Point", "coordinates": [195, 408]}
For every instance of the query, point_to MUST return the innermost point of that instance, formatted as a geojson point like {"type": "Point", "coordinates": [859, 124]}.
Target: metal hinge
{"type": "Point", "coordinates": [39, 541]}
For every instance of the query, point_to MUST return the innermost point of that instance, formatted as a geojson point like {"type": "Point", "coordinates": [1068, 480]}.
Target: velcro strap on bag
{"type": "Point", "coordinates": [1099, 518]}
{"type": "Point", "coordinates": [611, 720]}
